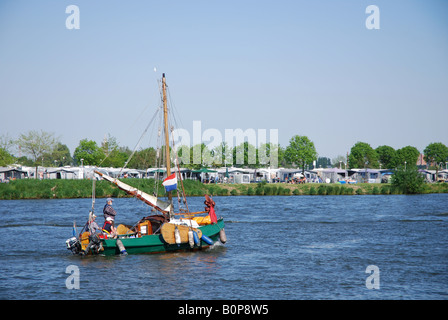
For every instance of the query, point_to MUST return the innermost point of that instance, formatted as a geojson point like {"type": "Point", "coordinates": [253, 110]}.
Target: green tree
{"type": "Point", "coordinates": [117, 158]}
{"type": "Point", "coordinates": [36, 144]}
{"type": "Point", "coordinates": [362, 155]}
{"type": "Point", "coordinates": [59, 156]}
{"type": "Point", "coordinates": [387, 156]}
{"type": "Point", "coordinates": [25, 161]}
{"type": "Point", "coordinates": [89, 151]}
{"type": "Point", "coordinates": [245, 154]}
{"type": "Point", "coordinates": [6, 142]}
{"type": "Point", "coordinates": [300, 151]}
{"type": "Point", "coordinates": [270, 154]}
{"type": "Point", "coordinates": [114, 156]}
{"type": "Point", "coordinates": [408, 180]}
{"type": "Point", "coordinates": [324, 162]}
{"type": "Point", "coordinates": [198, 156]}
{"type": "Point", "coordinates": [143, 159]}
{"type": "Point", "coordinates": [185, 156]}
{"type": "Point", "coordinates": [436, 153]}
{"type": "Point", "coordinates": [222, 155]}
{"type": "Point", "coordinates": [5, 157]}
{"type": "Point", "coordinates": [207, 155]}
{"type": "Point", "coordinates": [407, 156]}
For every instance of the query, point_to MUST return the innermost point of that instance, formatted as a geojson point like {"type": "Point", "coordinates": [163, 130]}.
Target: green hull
{"type": "Point", "coordinates": [155, 244]}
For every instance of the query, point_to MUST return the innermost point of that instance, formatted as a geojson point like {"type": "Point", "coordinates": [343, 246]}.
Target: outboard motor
{"type": "Point", "coordinates": [73, 245]}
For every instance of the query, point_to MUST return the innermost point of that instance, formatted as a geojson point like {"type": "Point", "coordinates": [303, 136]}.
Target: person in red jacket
{"type": "Point", "coordinates": [210, 208]}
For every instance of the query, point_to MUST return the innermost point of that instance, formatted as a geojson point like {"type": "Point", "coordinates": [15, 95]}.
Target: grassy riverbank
{"type": "Point", "coordinates": [65, 189]}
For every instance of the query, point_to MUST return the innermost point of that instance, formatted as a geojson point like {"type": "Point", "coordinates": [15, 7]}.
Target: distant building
{"type": "Point", "coordinates": [7, 174]}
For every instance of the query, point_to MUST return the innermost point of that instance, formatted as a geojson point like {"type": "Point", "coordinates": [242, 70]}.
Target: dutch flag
{"type": "Point", "coordinates": [170, 183]}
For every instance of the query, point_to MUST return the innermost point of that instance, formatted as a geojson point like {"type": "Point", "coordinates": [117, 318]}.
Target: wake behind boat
{"type": "Point", "coordinates": [164, 231]}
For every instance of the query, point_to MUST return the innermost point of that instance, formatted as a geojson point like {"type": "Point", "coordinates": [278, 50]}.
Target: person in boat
{"type": "Point", "coordinates": [93, 226]}
{"type": "Point", "coordinates": [210, 208]}
{"type": "Point", "coordinates": [108, 211]}
{"type": "Point", "coordinates": [109, 229]}
{"type": "Point", "coordinates": [94, 241]}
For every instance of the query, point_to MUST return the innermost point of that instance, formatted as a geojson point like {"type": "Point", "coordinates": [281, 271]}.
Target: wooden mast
{"type": "Point", "coordinates": [167, 135]}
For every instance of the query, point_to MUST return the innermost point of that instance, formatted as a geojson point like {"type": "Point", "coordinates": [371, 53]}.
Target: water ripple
{"type": "Point", "coordinates": [278, 248]}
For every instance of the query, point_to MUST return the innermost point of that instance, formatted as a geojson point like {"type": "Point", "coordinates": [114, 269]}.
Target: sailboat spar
{"type": "Point", "coordinates": [161, 232]}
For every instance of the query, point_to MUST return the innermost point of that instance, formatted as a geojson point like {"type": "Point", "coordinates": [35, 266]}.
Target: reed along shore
{"type": "Point", "coordinates": [67, 189]}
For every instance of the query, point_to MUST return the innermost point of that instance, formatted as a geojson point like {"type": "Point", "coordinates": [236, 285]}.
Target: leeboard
{"type": "Point", "coordinates": [167, 232]}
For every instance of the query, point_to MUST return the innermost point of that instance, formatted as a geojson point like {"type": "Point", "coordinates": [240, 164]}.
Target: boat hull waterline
{"type": "Point", "coordinates": [154, 243]}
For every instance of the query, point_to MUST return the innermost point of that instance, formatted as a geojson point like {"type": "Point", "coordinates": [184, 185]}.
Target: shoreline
{"type": "Point", "coordinates": [72, 189]}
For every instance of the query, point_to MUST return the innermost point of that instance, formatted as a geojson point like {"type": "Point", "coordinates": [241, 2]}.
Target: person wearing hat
{"type": "Point", "coordinates": [94, 241]}
{"type": "Point", "coordinates": [109, 229]}
{"type": "Point", "coordinates": [108, 211]}
{"type": "Point", "coordinates": [93, 226]}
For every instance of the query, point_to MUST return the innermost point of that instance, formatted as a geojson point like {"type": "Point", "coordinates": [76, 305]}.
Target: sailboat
{"type": "Point", "coordinates": [163, 231]}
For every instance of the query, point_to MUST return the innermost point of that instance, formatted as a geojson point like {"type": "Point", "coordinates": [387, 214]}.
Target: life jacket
{"type": "Point", "coordinates": [107, 227]}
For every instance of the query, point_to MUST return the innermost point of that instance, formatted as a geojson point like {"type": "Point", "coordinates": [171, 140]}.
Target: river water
{"type": "Point", "coordinates": [279, 248]}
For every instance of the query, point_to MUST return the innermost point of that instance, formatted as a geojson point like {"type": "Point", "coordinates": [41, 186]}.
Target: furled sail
{"type": "Point", "coordinates": [159, 205]}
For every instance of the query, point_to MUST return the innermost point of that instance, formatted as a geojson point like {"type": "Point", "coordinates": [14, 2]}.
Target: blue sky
{"type": "Point", "coordinates": [303, 67]}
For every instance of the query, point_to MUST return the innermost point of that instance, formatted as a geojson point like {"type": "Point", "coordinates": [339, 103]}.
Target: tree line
{"type": "Point", "coordinates": [40, 148]}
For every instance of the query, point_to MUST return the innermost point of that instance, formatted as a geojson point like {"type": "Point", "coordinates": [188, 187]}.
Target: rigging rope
{"type": "Point", "coordinates": [138, 142]}
{"type": "Point", "coordinates": [184, 198]}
